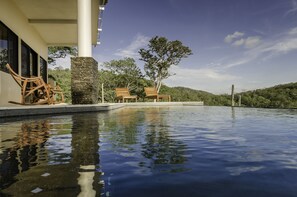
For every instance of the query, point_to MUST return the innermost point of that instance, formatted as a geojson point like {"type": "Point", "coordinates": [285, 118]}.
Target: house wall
{"type": "Point", "coordinates": [14, 19]}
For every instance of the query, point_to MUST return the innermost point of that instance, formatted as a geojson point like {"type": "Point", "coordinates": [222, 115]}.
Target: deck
{"type": "Point", "coordinates": [33, 110]}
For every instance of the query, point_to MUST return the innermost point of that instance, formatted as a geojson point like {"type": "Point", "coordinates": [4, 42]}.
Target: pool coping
{"type": "Point", "coordinates": [33, 110]}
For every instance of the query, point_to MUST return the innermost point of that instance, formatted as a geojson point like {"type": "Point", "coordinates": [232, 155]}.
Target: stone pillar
{"type": "Point", "coordinates": [84, 80]}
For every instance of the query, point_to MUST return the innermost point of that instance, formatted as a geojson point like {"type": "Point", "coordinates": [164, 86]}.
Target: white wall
{"type": "Point", "coordinates": [9, 90]}
{"type": "Point", "coordinates": [13, 18]}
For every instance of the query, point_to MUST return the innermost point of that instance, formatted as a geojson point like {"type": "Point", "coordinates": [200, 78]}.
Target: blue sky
{"type": "Point", "coordinates": [249, 43]}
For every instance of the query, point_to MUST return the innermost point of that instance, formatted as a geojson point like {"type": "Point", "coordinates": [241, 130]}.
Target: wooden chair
{"type": "Point", "coordinates": [152, 93]}
{"type": "Point", "coordinates": [33, 89]}
{"type": "Point", "coordinates": [56, 91]}
{"type": "Point", "coordinates": [123, 93]}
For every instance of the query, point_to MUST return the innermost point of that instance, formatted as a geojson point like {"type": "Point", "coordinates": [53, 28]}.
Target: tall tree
{"type": "Point", "coordinates": [126, 71]}
{"type": "Point", "coordinates": [60, 52]}
{"type": "Point", "coordinates": [160, 55]}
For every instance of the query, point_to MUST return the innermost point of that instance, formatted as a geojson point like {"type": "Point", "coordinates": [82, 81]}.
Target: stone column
{"type": "Point", "coordinates": [84, 80]}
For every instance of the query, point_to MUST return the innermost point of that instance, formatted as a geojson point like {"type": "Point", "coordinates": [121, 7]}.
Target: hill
{"type": "Point", "coordinates": [188, 94]}
{"type": "Point", "coordinates": [280, 96]}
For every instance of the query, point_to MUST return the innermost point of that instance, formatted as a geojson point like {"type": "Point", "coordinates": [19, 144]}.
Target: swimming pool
{"type": "Point", "coordinates": [158, 151]}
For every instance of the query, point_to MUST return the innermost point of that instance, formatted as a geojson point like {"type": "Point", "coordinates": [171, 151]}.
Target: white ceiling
{"type": "Point", "coordinates": [56, 20]}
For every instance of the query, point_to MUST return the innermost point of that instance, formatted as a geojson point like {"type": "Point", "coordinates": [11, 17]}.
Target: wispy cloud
{"type": "Point", "coordinates": [238, 39]}
{"type": "Point", "coordinates": [231, 37]}
{"type": "Point", "coordinates": [258, 49]}
{"type": "Point", "coordinates": [131, 50]}
{"type": "Point", "coordinates": [293, 31]}
{"type": "Point", "coordinates": [293, 10]}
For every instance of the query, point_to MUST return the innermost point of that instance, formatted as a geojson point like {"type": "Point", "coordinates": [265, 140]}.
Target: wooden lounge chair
{"type": "Point", "coordinates": [123, 93]}
{"type": "Point", "coordinates": [33, 89]}
{"type": "Point", "coordinates": [152, 93]}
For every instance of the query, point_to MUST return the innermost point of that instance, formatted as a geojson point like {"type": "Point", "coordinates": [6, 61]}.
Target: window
{"type": "Point", "coordinates": [43, 69]}
{"type": "Point", "coordinates": [8, 48]}
{"type": "Point", "coordinates": [29, 61]}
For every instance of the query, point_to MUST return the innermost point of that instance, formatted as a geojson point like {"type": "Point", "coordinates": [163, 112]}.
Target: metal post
{"type": "Point", "coordinates": [232, 96]}
{"type": "Point", "coordinates": [102, 91]}
{"type": "Point", "coordinates": [239, 101]}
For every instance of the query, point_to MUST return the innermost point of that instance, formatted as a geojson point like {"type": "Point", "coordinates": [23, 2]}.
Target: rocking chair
{"type": "Point", "coordinates": [33, 89]}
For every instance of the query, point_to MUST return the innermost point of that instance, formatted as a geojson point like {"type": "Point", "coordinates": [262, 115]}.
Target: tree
{"type": "Point", "coordinates": [126, 71]}
{"type": "Point", "coordinates": [3, 58]}
{"type": "Point", "coordinates": [60, 52]}
{"type": "Point", "coordinates": [121, 73]}
{"type": "Point", "coordinates": [160, 55]}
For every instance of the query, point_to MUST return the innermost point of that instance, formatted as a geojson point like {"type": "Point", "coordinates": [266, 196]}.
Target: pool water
{"type": "Point", "coordinates": [160, 151]}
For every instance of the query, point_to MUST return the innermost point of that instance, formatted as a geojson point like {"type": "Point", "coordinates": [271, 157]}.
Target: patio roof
{"type": "Point", "coordinates": [56, 20]}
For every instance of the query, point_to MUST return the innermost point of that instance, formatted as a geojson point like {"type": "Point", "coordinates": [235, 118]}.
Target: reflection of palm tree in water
{"type": "Point", "coordinates": [160, 148]}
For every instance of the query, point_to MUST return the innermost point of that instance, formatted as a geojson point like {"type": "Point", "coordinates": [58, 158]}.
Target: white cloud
{"type": "Point", "coordinates": [251, 42]}
{"type": "Point", "coordinates": [237, 39]}
{"type": "Point", "coordinates": [258, 49]}
{"type": "Point", "coordinates": [238, 62]}
{"type": "Point", "coordinates": [283, 46]}
{"type": "Point", "coordinates": [132, 49]}
{"type": "Point", "coordinates": [293, 31]}
{"type": "Point", "coordinates": [229, 38]}
{"type": "Point", "coordinates": [239, 42]}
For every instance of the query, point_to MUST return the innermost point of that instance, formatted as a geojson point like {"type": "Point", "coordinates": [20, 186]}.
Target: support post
{"type": "Point", "coordinates": [84, 28]}
{"type": "Point", "coordinates": [239, 101]}
{"type": "Point", "coordinates": [102, 91]}
{"type": "Point", "coordinates": [84, 68]}
{"type": "Point", "coordinates": [232, 96]}
{"type": "Point", "coordinates": [84, 80]}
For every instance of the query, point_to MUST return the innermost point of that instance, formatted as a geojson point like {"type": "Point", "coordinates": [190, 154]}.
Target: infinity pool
{"type": "Point", "coordinates": [166, 151]}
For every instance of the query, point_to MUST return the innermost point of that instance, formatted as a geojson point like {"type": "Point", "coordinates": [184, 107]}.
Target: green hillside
{"type": "Point", "coordinates": [280, 96]}
{"type": "Point", "coordinates": [188, 94]}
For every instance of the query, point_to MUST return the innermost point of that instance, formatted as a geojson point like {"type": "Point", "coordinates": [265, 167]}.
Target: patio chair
{"type": "Point", "coordinates": [56, 91]}
{"type": "Point", "coordinates": [33, 89]}
{"type": "Point", "coordinates": [152, 93]}
{"type": "Point", "coordinates": [123, 93]}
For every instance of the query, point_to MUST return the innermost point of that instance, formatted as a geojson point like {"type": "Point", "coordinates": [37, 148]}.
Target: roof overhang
{"type": "Point", "coordinates": [56, 20]}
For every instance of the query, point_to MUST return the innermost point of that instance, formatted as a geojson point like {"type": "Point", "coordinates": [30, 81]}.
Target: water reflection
{"type": "Point", "coordinates": [147, 139]}
{"type": "Point", "coordinates": [159, 146]}
{"type": "Point", "coordinates": [85, 156]}
{"type": "Point", "coordinates": [22, 149]}
{"type": "Point", "coordinates": [27, 164]}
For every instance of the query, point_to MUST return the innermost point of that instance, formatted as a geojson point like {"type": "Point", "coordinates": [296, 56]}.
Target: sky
{"type": "Point", "coordinates": [249, 43]}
